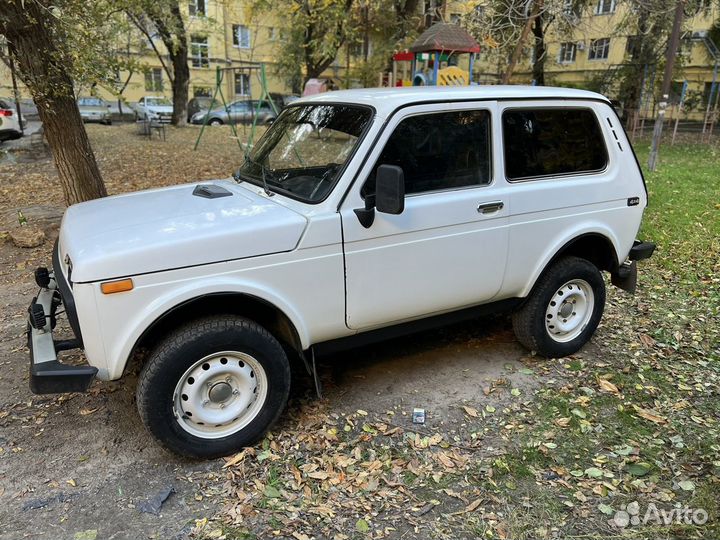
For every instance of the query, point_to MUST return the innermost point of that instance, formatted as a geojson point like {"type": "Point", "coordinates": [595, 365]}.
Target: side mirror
{"type": "Point", "coordinates": [390, 189]}
{"type": "Point", "coordinates": [389, 197]}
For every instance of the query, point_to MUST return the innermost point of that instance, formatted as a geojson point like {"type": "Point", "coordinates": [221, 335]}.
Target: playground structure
{"type": "Point", "coordinates": [248, 69]}
{"type": "Point", "coordinates": [434, 58]}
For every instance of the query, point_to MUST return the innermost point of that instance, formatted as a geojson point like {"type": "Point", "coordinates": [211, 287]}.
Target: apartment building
{"type": "Point", "coordinates": [597, 46]}
{"type": "Point", "coordinates": [220, 34]}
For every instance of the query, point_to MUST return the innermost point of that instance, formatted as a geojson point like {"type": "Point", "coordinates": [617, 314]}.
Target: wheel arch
{"type": "Point", "coordinates": [260, 310]}
{"type": "Point", "coordinates": [596, 247]}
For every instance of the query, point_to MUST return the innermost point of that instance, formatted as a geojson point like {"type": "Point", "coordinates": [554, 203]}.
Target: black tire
{"type": "Point", "coordinates": [215, 122]}
{"type": "Point", "coordinates": [529, 321]}
{"type": "Point", "coordinates": [177, 353]}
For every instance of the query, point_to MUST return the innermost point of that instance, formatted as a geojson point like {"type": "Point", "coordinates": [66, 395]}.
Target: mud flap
{"type": "Point", "coordinates": [311, 368]}
{"type": "Point", "coordinates": [625, 277]}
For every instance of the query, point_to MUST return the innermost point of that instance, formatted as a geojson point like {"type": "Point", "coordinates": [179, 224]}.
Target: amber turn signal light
{"type": "Point", "coordinates": [121, 285]}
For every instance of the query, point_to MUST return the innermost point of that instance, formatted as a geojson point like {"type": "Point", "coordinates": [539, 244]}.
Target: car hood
{"type": "Point", "coordinates": [168, 228]}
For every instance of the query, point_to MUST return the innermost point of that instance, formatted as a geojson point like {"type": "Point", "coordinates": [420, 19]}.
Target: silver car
{"type": "Point", "coordinates": [237, 112]}
{"type": "Point", "coordinates": [94, 109]}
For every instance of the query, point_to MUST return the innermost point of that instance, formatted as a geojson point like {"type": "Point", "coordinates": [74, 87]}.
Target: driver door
{"type": "Point", "coordinates": [447, 248]}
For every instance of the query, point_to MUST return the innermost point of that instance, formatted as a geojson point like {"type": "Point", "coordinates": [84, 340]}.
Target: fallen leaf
{"type": "Point", "coordinates": [607, 386]}
{"type": "Point", "coordinates": [271, 492]}
{"type": "Point", "coordinates": [650, 415]}
{"type": "Point", "coordinates": [362, 526]}
{"type": "Point", "coordinates": [473, 505]}
{"type": "Point", "coordinates": [471, 411]}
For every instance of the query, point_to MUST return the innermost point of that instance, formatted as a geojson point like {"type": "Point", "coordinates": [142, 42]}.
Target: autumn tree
{"type": "Point", "coordinates": [164, 18]}
{"type": "Point", "coordinates": [45, 38]}
{"type": "Point", "coordinates": [313, 33]}
{"type": "Point", "coordinates": [510, 27]}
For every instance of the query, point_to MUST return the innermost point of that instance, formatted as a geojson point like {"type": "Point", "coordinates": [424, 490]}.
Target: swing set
{"type": "Point", "coordinates": [248, 69]}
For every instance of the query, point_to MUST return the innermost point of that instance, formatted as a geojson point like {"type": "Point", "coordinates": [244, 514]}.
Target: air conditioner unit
{"type": "Point", "coordinates": [580, 45]}
{"type": "Point", "coordinates": [699, 34]}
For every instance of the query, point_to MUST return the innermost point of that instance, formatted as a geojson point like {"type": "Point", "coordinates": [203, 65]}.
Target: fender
{"type": "Point", "coordinates": [563, 240]}
{"type": "Point", "coordinates": [135, 328]}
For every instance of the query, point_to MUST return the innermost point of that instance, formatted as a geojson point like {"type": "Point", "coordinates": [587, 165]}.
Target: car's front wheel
{"type": "Point", "coordinates": [215, 122]}
{"type": "Point", "coordinates": [563, 310]}
{"type": "Point", "coordinates": [213, 386]}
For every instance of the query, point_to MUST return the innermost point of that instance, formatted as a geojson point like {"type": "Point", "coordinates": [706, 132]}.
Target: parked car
{"type": "Point", "coordinates": [359, 215]}
{"type": "Point", "coordinates": [9, 122]}
{"type": "Point", "coordinates": [283, 100]}
{"type": "Point", "coordinates": [156, 108]}
{"type": "Point", "coordinates": [94, 109]}
{"type": "Point", "coordinates": [196, 105]}
{"type": "Point", "coordinates": [237, 112]}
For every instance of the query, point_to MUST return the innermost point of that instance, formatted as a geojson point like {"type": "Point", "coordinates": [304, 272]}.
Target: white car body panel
{"type": "Point", "coordinates": [317, 264]}
{"type": "Point", "coordinates": [418, 263]}
{"type": "Point", "coordinates": [163, 229]}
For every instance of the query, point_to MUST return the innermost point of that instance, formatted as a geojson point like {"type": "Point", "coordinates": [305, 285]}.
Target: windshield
{"type": "Point", "coordinates": [306, 149]}
{"type": "Point", "coordinates": [157, 101]}
{"type": "Point", "coordinates": [91, 102]}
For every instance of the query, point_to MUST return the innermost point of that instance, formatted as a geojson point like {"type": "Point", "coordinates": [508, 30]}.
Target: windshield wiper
{"type": "Point", "coordinates": [263, 173]}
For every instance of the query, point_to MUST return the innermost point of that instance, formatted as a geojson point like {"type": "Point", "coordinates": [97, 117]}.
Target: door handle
{"type": "Point", "coordinates": [489, 207]}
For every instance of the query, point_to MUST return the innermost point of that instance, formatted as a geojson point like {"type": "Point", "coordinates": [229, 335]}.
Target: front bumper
{"type": "Point", "coordinates": [47, 374]}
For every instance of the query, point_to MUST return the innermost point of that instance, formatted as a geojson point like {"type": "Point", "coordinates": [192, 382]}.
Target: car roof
{"type": "Point", "coordinates": [387, 100]}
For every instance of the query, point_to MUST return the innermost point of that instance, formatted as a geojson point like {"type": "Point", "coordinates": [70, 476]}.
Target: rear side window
{"type": "Point", "coordinates": [439, 151]}
{"type": "Point", "coordinates": [548, 141]}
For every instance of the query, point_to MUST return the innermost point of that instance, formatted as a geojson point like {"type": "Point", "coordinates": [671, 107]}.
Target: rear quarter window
{"type": "Point", "coordinates": [540, 142]}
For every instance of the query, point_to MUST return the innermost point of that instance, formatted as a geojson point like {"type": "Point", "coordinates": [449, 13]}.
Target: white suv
{"type": "Point", "coordinates": [358, 216]}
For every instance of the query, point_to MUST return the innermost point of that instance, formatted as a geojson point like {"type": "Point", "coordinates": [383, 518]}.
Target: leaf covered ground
{"type": "Point", "coordinates": [628, 425]}
{"type": "Point", "coordinates": [538, 449]}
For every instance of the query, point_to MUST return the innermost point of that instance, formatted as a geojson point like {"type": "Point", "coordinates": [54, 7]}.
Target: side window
{"type": "Point", "coordinates": [547, 141]}
{"type": "Point", "coordinates": [439, 151]}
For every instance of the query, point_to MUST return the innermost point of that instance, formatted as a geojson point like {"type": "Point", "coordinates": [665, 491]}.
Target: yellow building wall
{"type": "Point", "coordinates": [694, 64]}
{"type": "Point", "coordinates": [217, 26]}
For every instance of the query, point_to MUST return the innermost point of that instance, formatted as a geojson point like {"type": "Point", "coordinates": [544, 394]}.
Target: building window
{"type": "Point", "coordinates": [272, 33]}
{"type": "Point", "coordinates": [456, 18]}
{"type": "Point", "coordinates": [202, 91]}
{"type": "Point", "coordinates": [154, 80]}
{"type": "Point", "coordinates": [567, 52]}
{"type": "Point", "coordinates": [199, 52]}
{"type": "Point", "coordinates": [571, 9]}
{"type": "Point", "coordinates": [242, 84]}
{"type": "Point", "coordinates": [604, 7]}
{"type": "Point", "coordinates": [196, 8]}
{"type": "Point", "coordinates": [241, 36]}
{"type": "Point", "coordinates": [632, 45]}
{"type": "Point", "coordinates": [551, 141]}
{"type": "Point", "coordinates": [599, 49]}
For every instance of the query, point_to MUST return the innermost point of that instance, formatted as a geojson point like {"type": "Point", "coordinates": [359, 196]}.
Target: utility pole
{"type": "Point", "coordinates": [16, 94]}
{"type": "Point", "coordinates": [667, 81]}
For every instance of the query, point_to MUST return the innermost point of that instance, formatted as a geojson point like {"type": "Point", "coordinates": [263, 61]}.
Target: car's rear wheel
{"type": "Point", "coordinates": [213, 386]}
{"type": "Point", "coordinates": [563, 310]}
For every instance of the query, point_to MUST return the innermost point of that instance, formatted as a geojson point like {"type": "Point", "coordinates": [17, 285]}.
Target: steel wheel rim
{"type": "Point", "coordinates": [569, 310]}
{"type": "Point", "coordinates": [220, 394]}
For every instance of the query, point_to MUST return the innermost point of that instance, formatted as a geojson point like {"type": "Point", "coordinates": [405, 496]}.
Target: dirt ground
{"type": "Point", "coordinates": [513, 446]}
{"type": "Point", "coordinates": [82, 465]}
{"type": "Point", "coordinates": [79, 463]}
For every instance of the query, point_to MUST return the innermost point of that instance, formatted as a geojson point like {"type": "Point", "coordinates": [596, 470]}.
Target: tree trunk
{"type": "Point", "coordinates": [180, 84]}
{"type": "Point", "coordinates": [28, 27]}
{"type": "Point", "coordinates": [538, 30]}
{"type": "Point", "coordinates": [519, 45]}
{"type": "Point", "coordinates": [175, 40]}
